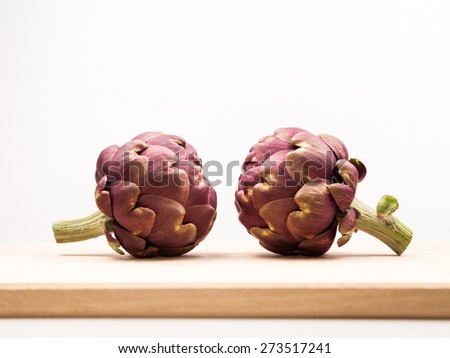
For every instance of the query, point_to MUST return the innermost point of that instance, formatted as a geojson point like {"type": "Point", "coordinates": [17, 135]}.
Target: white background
{"type": "Point", "coordinates": [77, 76]}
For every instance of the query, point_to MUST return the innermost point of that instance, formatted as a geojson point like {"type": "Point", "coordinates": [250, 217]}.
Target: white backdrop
{"type": "Point", "coordinates": [76, 76]}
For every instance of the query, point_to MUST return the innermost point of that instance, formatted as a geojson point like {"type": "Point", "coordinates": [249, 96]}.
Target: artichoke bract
{"type": "Point", "coordinates": [297, 189]}
{"type": "Point", "coordinates": [152, 196]}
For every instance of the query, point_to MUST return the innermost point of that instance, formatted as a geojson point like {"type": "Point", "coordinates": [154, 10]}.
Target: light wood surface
{"type": "Point", "coordinates": [227, 278]}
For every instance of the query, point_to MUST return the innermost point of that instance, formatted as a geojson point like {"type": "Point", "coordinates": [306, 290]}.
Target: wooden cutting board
{"type": "Point", "coordinates": [225, 278]}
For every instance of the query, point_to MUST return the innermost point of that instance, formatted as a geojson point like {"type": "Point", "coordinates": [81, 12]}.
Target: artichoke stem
{"type": "Point", "coordinates": [85, 228]}
{"type": "Point", "coordinates": [388, 229]}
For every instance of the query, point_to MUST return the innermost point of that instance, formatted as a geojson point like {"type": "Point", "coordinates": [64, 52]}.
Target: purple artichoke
{"type": "Point", "coordinates": [152, 195]}
{"type": "Point", "coordinates": [297, 189]}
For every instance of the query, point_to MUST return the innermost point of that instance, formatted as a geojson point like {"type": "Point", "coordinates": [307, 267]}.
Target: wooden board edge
{"type": "Point", "coordinates": [224, 302]}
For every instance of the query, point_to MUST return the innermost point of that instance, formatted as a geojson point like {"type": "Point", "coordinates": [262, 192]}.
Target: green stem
{"type": "Point", "coordinates": [82, 229]}
{"type": "Point", "coordinates": [389, 229]}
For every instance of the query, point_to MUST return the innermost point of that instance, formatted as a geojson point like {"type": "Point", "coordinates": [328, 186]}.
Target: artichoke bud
{"type": "Point", "coordinates": [297, 189]}
{"type": "Point", "coordinates": [152, 188]}
{"type": "Point", "coordinates": [304, 182]}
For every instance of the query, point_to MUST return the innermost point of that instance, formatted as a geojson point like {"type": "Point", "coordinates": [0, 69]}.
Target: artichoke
{"type": "Point", "coordinates": [152, 196]}
{"type": "Point", "coordinates": [297, 189]}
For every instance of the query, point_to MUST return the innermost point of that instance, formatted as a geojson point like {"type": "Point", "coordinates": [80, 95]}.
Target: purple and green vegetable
{"type": "Point", "coordinates": [297, 189]}
{"type": "Point", "coordinates": [152, 196]}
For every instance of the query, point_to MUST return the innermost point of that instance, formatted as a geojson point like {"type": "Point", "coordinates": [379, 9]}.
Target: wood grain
{"type": "Point", "coordinates": [225, 279]}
